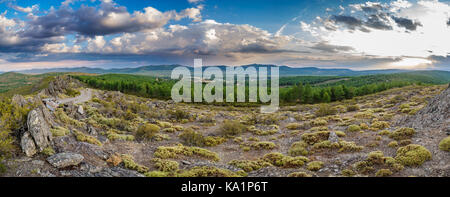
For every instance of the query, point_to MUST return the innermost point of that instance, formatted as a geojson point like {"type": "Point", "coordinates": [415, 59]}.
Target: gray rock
{"type": "Point", "coordinates": [80, 110]}
{"type": "Point", "coordinates": [39, 129]}
{"type": "Point", "coordinates": [333, 138]}
{"type": "Point", "coordinates": [91, 130]}
{"type": "Point", "coordinates": [27, 144]}
{"type": "Point", "coordinates": [62, 160]}
{"type": "Point", "coordinates": [19, 100]}
{"type": "Point", "coordinates": [38, 162]}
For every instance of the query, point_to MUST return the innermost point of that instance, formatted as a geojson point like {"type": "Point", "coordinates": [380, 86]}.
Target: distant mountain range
{"type": "Point", "coordinates": [165, 71]}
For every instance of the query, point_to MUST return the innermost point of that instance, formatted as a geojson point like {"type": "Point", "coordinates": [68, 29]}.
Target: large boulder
{"type": "Point", "coordinates": [27, 144]}
{"type": "Point", "coordinates": [62, 160]}
{"type": "Point", "coordinates": [38, 133]}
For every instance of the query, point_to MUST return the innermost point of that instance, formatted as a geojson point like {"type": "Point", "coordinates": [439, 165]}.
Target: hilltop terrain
{"type": "Point", "coordinates": [69, 129]}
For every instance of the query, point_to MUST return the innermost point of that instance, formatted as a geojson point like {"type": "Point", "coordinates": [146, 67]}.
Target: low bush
{"type": "Point", "coordinates": [147, 131]}
{"type": "Point", "coordinates": [298, 149]}
{"type": "Point", "coordinates": [314, 165]}
{"type": "Point", "coordinates": [445, 144]}
{"type": "Point", "coordinates": [232, 128]}
{"type": "Point", "coordinates": [412, 155]}
{"type": "Point", "coordinates": [353, 128]}
{"type": "Point", "coordinates": [402, 133]}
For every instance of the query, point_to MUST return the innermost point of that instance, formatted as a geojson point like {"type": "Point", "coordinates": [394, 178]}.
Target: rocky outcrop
{"type": "Point", "coordinates": [27, 144]}
{"type": "Point", "coordinates": [19, 100]}
{"type": "Point", "coordinates": [38, 137]}
{"type": "Point", "coordinates": [60, 84]}
{"type": "Point", "coordinates": [435, 115]}
{"type": "Point", "coordinates": [62, 160]}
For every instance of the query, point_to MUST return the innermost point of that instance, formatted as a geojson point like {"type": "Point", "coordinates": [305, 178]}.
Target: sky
{"type": "Point", "coordinates": [359, 35]}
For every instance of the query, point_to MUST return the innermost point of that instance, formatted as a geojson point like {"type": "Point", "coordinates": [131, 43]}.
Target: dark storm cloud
{"type": "Point", "coordinates": [350, 21]}
{"type": "Point", "coordinates": [87, 21]}
{"type": "Point", "coordinates": [406, 23]}
{"type": "Point", "coordinates": [378, 22]}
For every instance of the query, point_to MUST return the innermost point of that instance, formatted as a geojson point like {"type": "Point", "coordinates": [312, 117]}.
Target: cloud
{"type": "Point", "coordinates": [380, 30]}
{"type": "Point", "coordinates": [108, 19]}
{"type": "Point", "coordinates": [205, 38]}
{"type": "Point", "coordinates": [25, 9]}
{"type": "Point", "coordinates": [195, 1]}
{"type": "Point", "coordinates": [406, 23]}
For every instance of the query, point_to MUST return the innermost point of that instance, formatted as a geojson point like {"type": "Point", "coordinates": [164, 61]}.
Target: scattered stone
{"type": "Point", "coordinates": [62, 160]}
{"type": "Point", "coordinates": [80, 110]}
{"type": "Point", "coordinates": [186, 162]}
{"type": "Point", "coordinates": [91, 130]}
{"type": "Point", "coordinates": [333, 138]}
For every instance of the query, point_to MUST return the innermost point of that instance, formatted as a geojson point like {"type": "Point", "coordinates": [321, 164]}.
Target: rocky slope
{"type": "Point", "coordinates": [102, 136]}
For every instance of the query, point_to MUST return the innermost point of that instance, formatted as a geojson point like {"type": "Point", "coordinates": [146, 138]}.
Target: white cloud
{"type": "Point", "coordinates": [430, 38]}
{"type": "Point", "coordinates": [25, 9]}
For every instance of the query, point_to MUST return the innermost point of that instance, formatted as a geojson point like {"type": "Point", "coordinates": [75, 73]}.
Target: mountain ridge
{"type": "Point", "coordinates": [165, 70]}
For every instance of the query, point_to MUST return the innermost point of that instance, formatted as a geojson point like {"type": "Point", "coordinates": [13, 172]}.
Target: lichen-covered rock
{"type": "Point", "coordinates": [39, 129]}
{"type": "Point", "coordinates": [62, 160]}
{"type": "Point", "coordinates": [27, 144]}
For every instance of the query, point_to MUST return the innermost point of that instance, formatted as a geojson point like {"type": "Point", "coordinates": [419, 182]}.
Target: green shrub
{"type": "Point", "coordinates": [166, 152]}
{"type": "Point", "coordinates": [312, 138]}
{"type": "Point", "coordinates": [349, 147]}
{"type": "Point", "coordinates": [166, 165]}
{"type": "Point", "coordinates": [445, 144]}
{"type": "Point", "coordinates": [208, 171]}
{"type": "Point", "coordinates": [298, 149]}
{"type": "Point", "coordinates": [353, 128]}
{"type": "Point", "coordinates": [147, 131]}
{"type": "Point", "coordinates": [195, 138]}
{"type": "Point", "coordinates": [129, 163]}
{"type": "Point", "coordinates": [280, 160]}
{"type": "Point", "coordinates": [319, 122]}
{"type": "Point", "coordinates": [86, 138]}
{"type": "Point", "coordinates": [232, 128]}
{"type": "Point", "coordinates": [293, 126]}
{"type": "Point", "coordinates": [59, 131]}
{"type": "Point", "coordinates": [348, 173]}
{"type": "Point", "coordinates": [402, 133]}
{"type": "Point", "coordinates": [48, 151]}
{"type": "Point", "coordinates": [315, 165]}
{"type": "Point", "coordinates": [192, 138]}
{"type": "Point", "coordinates": [351, 108]}
{"type": "Point", "coordinates": [299, 174]}
{"type": "Point", "coordinates": [325, 110]}
{"type": "Point", "coordinates": [249, 166]}
{"type": "Point", "coordinates": [380, 125]}
{"type": "Point", "coordinates": [412, 155]}
{"type": "Point", "coordinates": [393, 144]}
{"type": "Point", "coordinates": [383, 173]}
{"type": "Point", "coordinates": [72, 92]}
{"type": "Point", "coordinates": [264, 145]}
